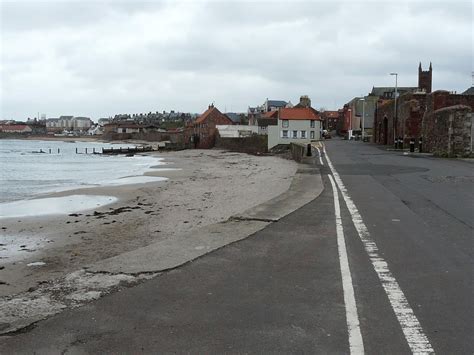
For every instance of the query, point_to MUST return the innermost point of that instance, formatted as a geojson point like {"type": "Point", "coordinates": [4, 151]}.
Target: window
{"type": "Point", "coordinates": [284, 134]}
{"type": "Point", "coordinates": [312, 124]}
{"type": "Point", "coordinates": [284, 123]}
{"type": "Point", "coordinates": [295, 134]}
{"type": "Point", "coordinates": [312, 134]}
{"type": "Point", "coordinates": [303, 134]}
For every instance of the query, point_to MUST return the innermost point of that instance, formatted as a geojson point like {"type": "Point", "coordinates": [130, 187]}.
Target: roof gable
{"type": "Point", "coordinates": [270, 114]}
{"type": "Point", "coordinates": [212, 111]}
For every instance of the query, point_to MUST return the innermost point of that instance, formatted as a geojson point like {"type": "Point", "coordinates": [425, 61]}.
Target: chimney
{"type": "Point", "coordinates": [305, 101]}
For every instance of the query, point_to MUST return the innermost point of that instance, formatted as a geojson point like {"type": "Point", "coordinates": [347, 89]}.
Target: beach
{"type": "Point", "coordinates": [203, 187]}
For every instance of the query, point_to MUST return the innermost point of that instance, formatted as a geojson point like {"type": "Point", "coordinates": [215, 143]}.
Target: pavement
{"type": "Point", "coordinates": [281, 288]}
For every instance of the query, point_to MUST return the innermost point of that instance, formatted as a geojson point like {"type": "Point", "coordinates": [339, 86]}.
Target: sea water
{"type": "Point", "coordinates": [25, 172]}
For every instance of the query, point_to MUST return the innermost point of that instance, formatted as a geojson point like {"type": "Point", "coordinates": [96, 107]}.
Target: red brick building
{"type": "Point", "coordinates": [414, 111]}
{"type": "Point", "coordinates": [201, 133]}
{"type": "Point", "coordinates": [344, 120]}
{"type": "Point", "coordinates": [330, 120]}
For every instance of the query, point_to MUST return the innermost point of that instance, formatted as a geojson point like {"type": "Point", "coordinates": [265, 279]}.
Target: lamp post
{"type": "Point", "coordinates": [363, 116]}
{"type": "Point", "coordinates": [395, 109]}
{"type": "Point", "coordinates": [350, 123]}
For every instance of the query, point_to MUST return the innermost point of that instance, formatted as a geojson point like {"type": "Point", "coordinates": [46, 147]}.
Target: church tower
{"type": "Point", "coordinates": [424, 78]}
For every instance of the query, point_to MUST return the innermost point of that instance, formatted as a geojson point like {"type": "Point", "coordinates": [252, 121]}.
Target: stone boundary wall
{"type": "Point", "coordinates": [255, 144]}
{"type": "Point", "coordinates": [176, 138]}
{"type": "Point", "coordinates": [448, 131]}
{"type": "Point", "coordinates": [298, 151]}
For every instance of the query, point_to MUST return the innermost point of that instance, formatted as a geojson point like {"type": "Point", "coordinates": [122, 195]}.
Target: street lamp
{"type": "Point", "coordinates": [350, 123]}
{"type": "Point", "coordinates": [363, 116]}
{"type": "Point", "coordinates": [395, 109]}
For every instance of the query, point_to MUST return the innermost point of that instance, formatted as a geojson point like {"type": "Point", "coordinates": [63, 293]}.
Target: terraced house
{"type": "Point", "coordinates": [295, 125]}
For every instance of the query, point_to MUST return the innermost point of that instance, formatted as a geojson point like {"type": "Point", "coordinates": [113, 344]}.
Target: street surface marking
{"type": "Point", "coordinates": [411, 327]}
{"type": "Point", "coordinates": [319, 154]}
{"type": "Point", "coordinates": [356, 344]}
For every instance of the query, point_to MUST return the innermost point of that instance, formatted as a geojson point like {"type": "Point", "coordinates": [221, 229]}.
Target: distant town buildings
{"type": "Point", "coordinates": [253, 113]}
{"type": "Point", "coordinates": [15, 128]}
{"type": "Point", "coordinates": [68, 123]}
{"type": "Point", "coordinates": [362, 109]}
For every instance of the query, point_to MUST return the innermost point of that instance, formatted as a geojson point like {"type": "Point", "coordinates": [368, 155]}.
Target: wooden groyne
{"type": "Point", "coordinates": [94, 150]}
{"type": "Point", "coordinates": [127, 150]}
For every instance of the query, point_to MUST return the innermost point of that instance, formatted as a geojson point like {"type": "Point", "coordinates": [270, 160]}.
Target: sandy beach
{"type": "Point", "coordinates": [203, 188]}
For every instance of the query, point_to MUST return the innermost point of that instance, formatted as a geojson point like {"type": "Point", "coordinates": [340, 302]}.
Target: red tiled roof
{"type": "Point", "coordinates": [331, 114]}
{"type": "Point", "coordinates": [208, 112]}
{"type": "Point", "coordinates": [271, 114]}
{"type": "Point", "coordinates": [299, 113]}
{"type": "Point", "coordinates": [205, 114]}
{"type": "Point", "coordinates": [13, 127]}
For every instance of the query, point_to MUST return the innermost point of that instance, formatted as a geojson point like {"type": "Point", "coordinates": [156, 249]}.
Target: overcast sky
{"type": "Point", "coordinates": [100, 58]}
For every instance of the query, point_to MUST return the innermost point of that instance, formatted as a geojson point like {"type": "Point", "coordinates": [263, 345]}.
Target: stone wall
{"type": "Point", "coordinates": [255, 144]}
{"type": "Point", "coordinates": [443, 98]}
{"type": "Point", "coordinates": [411, 109]}
{"type": "Point", "coordinates": [383, 122]}
{"type": "Point", "coordinates": [447, 131]}
{"type": "Point", "coordinates": [298, 151]}
{"type": "Point", "coordinates": [177, 138]}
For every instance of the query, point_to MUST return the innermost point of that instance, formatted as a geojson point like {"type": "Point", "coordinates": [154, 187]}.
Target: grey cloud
{"type": "Point", "coordinates": [163, 55]}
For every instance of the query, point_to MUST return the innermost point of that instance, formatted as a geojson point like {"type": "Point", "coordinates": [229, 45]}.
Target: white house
{"type": "Point", "coordinates": [295, 125]}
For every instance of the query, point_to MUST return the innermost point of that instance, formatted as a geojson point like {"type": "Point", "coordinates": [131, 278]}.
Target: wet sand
{"type": "Point", "coordinates": [207, 187]}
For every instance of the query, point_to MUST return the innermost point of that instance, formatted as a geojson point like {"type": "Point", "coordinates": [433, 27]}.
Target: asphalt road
{"type": "Point", "coordinates": [280, 290]}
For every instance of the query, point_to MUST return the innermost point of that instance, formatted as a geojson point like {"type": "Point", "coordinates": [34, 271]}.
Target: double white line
{"type": "Point", "coordinates": [416, 339]}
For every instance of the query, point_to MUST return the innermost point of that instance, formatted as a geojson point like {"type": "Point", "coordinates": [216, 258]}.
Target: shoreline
{"type": "Point", "coordinates": [195, 196]}
{"type": "Point", "coordinates": [140, 165]}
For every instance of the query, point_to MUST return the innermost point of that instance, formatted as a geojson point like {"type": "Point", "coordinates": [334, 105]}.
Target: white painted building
{"type": "Point", "coordinates": [295, 125]}
{"type": "Point", "coordinates": [68, 123]}
{"type": "Point", "coordinates": [236, 131]}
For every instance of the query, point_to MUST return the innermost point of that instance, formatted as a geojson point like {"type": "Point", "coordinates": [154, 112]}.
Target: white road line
{"type": "Point", "coordinates": [320, 159]}
{"type": "Point", "coordinates": [411, 327]}
{"type": "Point", "coordinates": [356, 344]}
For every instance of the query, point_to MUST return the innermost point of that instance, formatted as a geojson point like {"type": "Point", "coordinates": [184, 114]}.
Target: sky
{"type": "Point", "coordinates": [101, 58]}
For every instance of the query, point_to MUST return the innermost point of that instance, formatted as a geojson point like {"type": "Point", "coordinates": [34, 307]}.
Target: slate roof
{"type": "Point", "coordinates": [380, 90]}
{"type": "Point", "coordinates": [235, 117]}
{"type": "Point", "coordinates": [276, 103]}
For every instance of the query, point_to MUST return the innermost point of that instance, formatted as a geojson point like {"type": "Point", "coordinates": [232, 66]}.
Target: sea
{"type": "Point", "coordinates": [32, 167]}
